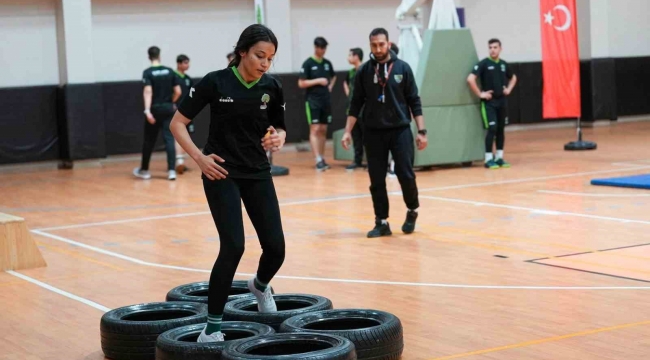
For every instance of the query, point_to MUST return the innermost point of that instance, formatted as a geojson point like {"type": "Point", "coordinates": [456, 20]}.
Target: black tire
{"type": "Point", "coordinates": [180, 343]}
{"type": "Point", "coordinates": [292, 346]}
{"type": "Point", "coordinates": [289, 305]}
{"type": "Point", "coordinates": [375, 334]}
{"type": "Point", "coordinates": [130, 332]}
{"type": "Point", "coordinates": [198, 292]}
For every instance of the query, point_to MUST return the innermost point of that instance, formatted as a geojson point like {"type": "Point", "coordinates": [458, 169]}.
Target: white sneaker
{"type": "Point", "coordinates": [214, 337]}
{"type": "Point", "coordinates": [265, 302]}
{"type": "Point", "coordinates": [172, 175]}
{"type": "Point", "coordinates": [142, 174]}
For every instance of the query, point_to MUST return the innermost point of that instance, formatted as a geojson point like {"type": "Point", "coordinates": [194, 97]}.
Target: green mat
{"type": "Point", "coordinates": [447, 58]}
{"type": "Point", "coordinates": [446, 123]}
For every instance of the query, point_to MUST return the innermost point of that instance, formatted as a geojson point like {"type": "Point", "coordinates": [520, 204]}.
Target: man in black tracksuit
{"type": "Point", "coordinates": [385, 85]}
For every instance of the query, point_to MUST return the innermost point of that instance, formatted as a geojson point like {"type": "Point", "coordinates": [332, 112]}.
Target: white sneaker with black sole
{"type": "Point", "coordinates": [142, 174]}
{"type": "Point", "coordinates": [265, 302]}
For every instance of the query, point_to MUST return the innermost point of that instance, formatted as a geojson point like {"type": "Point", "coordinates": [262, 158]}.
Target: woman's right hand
{"type": "Point", "coordinates": [209, 167]}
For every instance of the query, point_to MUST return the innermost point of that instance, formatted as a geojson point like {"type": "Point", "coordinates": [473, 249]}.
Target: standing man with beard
{"type": "Point", "coordinates": [385, 85]}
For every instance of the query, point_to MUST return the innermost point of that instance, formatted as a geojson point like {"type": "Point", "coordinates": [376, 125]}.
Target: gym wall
{"type": "Point", "coordinates": [606, 28]}
{"type": "Point", "coordinates": [345, 25]}
{"type": "Point", "coordinates": [205, 30]}
{"type": "Point", "coordinates": [28, 52]}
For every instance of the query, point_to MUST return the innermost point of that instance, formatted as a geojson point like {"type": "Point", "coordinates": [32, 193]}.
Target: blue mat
{"type": "Point", "coordinates": [637, 181]}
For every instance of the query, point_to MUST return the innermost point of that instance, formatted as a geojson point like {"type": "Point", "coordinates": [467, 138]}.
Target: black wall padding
{"type": "Point", "coordinates": [28, 124]}
{"type": "Point", "coordinates": [530, 92]}
{"type": "Point", "coordinates": [83, 133]}
{"type": "Point", "coordinates": [514, 109]}
{"type": "Point", "coordinates": [604, 89]}
{"type": "Point", "coordinates": [295, 116]}
{"type": "Point", "coordinates": [586, 91]}
{"type": "Point", "coordinates": [124, 118]}
{"type": "Point", "coordinates": [632, 85]}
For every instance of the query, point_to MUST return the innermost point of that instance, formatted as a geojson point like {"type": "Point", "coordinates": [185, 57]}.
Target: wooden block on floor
{"type": "Point", "coordinates": [17, 247]}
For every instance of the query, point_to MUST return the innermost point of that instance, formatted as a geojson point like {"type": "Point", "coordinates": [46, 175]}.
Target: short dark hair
{"type": "Point", "coordinates": [494, 40]}
{"type": "Point", "coordinates": [320, 42]}
{"type": "Point", "coordinates": [357, 52]}
{"type": "Point", "coordinates": [394, 48]}
{"type": "Point", "coordinates": [251, 36]}
{"type": "Point", "coordinates": [379, 31]}
{"type": "Point", "coordinates": [182, 58]}
{"type": "Point", "coordinates": [154, 53]}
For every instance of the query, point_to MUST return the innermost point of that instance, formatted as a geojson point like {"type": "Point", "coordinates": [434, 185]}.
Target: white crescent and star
{"type": "Point", "coordinates": [548, 18]}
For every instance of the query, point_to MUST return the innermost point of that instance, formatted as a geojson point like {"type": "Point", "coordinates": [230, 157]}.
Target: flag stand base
{"type": "Point", "coordinates": [580, 145]}
{"type": "Point", "coordinates": [277, 170]}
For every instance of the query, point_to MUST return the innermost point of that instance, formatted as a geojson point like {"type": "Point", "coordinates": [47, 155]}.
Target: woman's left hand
{"type": "Point", "coordinates": [274, 140]}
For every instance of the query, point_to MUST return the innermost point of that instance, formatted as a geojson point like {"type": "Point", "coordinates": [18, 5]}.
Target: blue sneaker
{"type": "Point", "coordinates": [502, 163]}
{"type": "Point", "coordinates": [491, 164]}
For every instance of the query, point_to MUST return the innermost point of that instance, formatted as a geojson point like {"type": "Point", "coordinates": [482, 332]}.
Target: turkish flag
{"type": "Point", "coordinates": [560, 59]}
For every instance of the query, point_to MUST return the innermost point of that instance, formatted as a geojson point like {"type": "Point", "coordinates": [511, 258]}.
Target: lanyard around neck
{"type": "Point", "coordinates": [384, 81]}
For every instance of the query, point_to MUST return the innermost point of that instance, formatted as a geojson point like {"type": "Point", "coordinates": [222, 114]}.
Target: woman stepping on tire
{"type": "Point", "coordinates": [246, 121]}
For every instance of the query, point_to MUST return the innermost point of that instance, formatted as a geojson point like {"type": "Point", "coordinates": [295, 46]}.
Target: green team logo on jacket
{"type": "Point", "coordinates": [399, 78]}
{"type": "Point", "coordinates": [503, 67]}
{"type": "Point", "coordinates": [265, 99]}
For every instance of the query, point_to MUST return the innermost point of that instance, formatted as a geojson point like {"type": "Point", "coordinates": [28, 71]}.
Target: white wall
{"type": "Point", "coordinates": [607, 28]}
{"type": "Point", "coordinates": [629, 28]}
{"type": "Point", "coordinates": [515, 22]}
{"type": "Point", "coordinates": [204, 30]}
{"type": "Point", "coordinates": [28, 51]}
{"type": "Point", "coordinates": [344, 23]}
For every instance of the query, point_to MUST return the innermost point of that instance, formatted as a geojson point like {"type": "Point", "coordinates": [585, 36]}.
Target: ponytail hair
{"type": "Point", "coordinates": [251, 36]}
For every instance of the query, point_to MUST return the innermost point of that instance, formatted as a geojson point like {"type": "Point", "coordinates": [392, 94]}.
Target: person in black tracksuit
{"type": "Point", "coordinates": [161, 90]}
{"type": "Point", "coordinates": [355, 58]}
{"type": "Point", "coordinates": [385, 87]}
{"type": "Point", "coordinates": [246, 120]}
{"type": "Point", "coordinates": [497, 82]}
{"type": "Point", "coordinates": [186, 83]}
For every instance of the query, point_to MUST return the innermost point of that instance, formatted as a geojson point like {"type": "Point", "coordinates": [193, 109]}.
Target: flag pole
{"type": "Point", "coordinates": [580, 145]}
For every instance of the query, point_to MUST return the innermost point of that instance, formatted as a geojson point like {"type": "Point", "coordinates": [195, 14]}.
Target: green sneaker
{"type": "Point", "coordinates": [491, 164]}
{"type": "Point", "coordinates": [502, 163]}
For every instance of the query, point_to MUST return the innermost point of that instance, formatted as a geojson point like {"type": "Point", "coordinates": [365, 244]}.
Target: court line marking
{"type": "Point", "coordinates": [346, 197]}
{"type": "Point", "coordinates": [523, 180]}
{"type": "Point", "coordinates": [626, 164]}
{"type": "Point", "coordinates": [160, 217]}
{"type": "Point", "coordinates": [59, 291]}
{"type": "Point", "coordinates": [78, 256]}
{"type": "Point", "coordinates": [353, 281]}
{"type": "Point", "coordinates": [545, 340]}
{"type": "Point", "coordinates": [535, 210]}
{"type": "Point", "coordinates": [498, 247]}
{"type": "Point", "coordinates": [590, 194]}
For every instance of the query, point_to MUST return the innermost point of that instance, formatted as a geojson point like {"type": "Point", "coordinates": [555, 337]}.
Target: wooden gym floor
{"type": "Point", "coordinates": [530, 262]}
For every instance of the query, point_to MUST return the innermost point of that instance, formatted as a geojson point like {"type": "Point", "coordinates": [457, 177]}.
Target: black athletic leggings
{"type": "Point", "coordinates": [261, 202]}
{"type": "Point", "coordinates": [494, 119]}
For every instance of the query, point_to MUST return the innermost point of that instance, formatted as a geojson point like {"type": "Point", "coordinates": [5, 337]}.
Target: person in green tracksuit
{"type": "Point", "coordinates": [355, 58]}
{"type": "Point", "coordinates": [318, 78]}
{"type": "Point", "coordinates": [497, 82]}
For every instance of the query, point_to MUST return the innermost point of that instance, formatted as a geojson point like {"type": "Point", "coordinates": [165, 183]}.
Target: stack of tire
{"type": "Point", "coordinates": [304, 327]}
